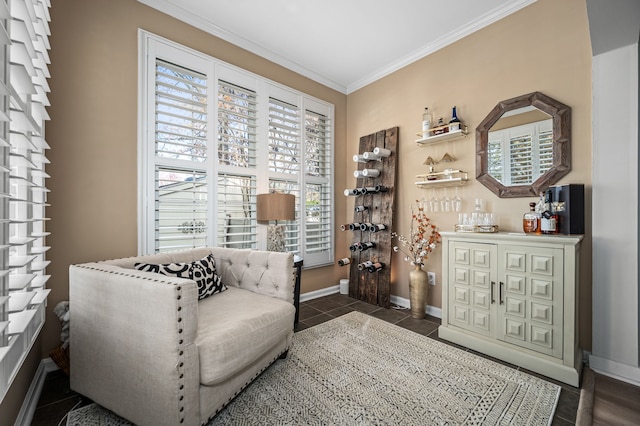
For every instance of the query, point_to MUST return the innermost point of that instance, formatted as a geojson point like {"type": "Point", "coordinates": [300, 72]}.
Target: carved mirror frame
{"type": "Point", "coordinates": [561, 115]}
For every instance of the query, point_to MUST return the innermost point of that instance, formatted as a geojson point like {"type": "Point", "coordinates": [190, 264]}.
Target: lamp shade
{"type": "Point", "coordinates": [276, 206]}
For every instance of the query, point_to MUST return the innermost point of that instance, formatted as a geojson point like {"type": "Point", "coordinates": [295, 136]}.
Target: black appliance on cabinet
{"type": "Point", "coordinates": [568, 205]}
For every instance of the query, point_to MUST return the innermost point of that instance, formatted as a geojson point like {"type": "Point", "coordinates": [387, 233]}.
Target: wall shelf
{"type": "Point", "coordinates": [457, 178]}
{"type": "Point", "coordinates": [449, 136]}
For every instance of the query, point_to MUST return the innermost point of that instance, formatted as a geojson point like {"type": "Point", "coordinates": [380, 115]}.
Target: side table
{"type": "Point", "coordinates": [297, 263]}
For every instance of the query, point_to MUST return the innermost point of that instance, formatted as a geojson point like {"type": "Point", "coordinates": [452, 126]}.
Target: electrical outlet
{"type": "Point", "coordinates": [431, 278]}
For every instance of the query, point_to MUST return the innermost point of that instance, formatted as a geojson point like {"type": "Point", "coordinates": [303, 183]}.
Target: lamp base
{"type": "Point", "coordinates": [275, 238]}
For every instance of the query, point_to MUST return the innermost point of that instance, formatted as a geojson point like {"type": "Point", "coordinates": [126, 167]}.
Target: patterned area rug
{"type": "Point", "coordinates": [359, 370]}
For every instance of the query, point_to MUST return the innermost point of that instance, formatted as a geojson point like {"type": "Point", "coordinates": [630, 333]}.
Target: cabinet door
{"type": "Point", "coordinates": [530, 308]}
{"type": "Point", "coordinates": [472, 274]}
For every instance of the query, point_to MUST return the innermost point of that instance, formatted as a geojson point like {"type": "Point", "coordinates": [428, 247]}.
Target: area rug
{"type": "Point", "coordinates": [359, 370]}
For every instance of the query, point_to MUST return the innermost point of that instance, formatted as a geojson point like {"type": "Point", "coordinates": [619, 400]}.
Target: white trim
{"type": "Point", "coordinates": [396, 300]}
{"type": "Point", "coordinates": [623, 372]}
{"type": "Point", "coordinates": [447, 39]}
{"type": "Point", "coordinates": [30, 402]}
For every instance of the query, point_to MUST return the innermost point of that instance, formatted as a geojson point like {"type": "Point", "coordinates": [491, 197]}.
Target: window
{"type": "Point", "coordinates": [212, 137]}
{"type": "Point", "coordinates": [520, 155]}
{"type": "Point", "coordinates": [23, 99]}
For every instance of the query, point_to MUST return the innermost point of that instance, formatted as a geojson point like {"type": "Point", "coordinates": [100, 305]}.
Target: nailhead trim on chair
{"type": "Point", "coordinates": [178, 289]}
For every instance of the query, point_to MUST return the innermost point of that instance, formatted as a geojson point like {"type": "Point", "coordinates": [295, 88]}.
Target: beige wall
{"type": "Point", "coordinates": [544, 47]}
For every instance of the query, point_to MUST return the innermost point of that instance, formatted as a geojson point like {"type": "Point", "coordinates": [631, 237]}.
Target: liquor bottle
{"type": "Point", "coordinates": [426, 122]}
{"type": "Point", "coordinates": [359, 159]}
{"type": "Point", "coordinates": [370, 156]}
{"type": "Point", "coordinates": [344, 261]}
{"type": "Point", "coordinates": [377, 227]}
{"type": "Point", "coordinates": [354, 226]}
{"type": "Point", "coordinates": [352, 191]}
{"type": "Point", "coordinates": [359, 209]}
{"type": "Point", "coordinates": [364, 265]}
{"type": "Point", "coordinates": [540, 208]}
{"type": "Point", "coordinates": [441, 127]}
{"type": "Point", "coordinates": [365, 226]}
{"type": "Point", "coordinates": [381, 152]}
{"type": "Point", "coordinates": [531, 219]}
{"type": "Point", "coordinates": [454, 123]}
{"type": "Point", "coordinates": [549, 220]}
{"type": "Point", "coordinates": [375, 267]}
{"type": "Point", "coordinates": [366, 246]}
{"type": "Point", "coordinates": [371, 173]}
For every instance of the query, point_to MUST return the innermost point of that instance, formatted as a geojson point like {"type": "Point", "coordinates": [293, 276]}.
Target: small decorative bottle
{"type": "Point", "coordinates": [531, 220]}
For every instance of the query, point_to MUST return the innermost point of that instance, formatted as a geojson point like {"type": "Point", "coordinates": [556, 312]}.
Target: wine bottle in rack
{"type": "Point", "coordinates": [354, 246]}
{"type": "Point", "coordinates": [360, 209]}
{"type": "Point", "coordinates": [353, 192]}
{"type": "Point", "coordinates": [381, 152]}
{"type": "Point", "coordinates": [377, 227]}
{"type": "Point", "coordinates": [358, 174]}
{"type": "Point", "coordinates": [368, 190]}
{"type": "Point", "coordinates": [344, 261]}
{"type": "Point", "coordinates": [370, 172]}
{"type": "Point", "coordinates": [365, 226]}
{"type": "Point", "coordinates": [375, 267]}
{"type": "Point", "coordinates": [364, 265]}
{"type": "Point", "coordinates": [344, 227]}
{"type": "Point", "coordinates": [370, 156]}
{"type": "Point", "coordinates": [366, 246]}
{"type": "Point", "coordinates": [381, 188]}
{"type": "Point", "coordinates": [359, 159]}
{"type": "Point", "coordinates": [354, 226]}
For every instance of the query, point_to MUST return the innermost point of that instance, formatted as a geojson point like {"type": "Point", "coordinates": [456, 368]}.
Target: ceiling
{"type": "Point", "coordinates": [343, 44]}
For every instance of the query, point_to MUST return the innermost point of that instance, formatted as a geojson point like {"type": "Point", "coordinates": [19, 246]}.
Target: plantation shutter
{"type": "Point", "coordinates": [237, 126]}
{"type": "Point", "coordinates": [284, 137]}
{"type": "Point", "coordinates": [23, 191]}
{"type": "Point", "coordinates": [181, 219]}
{"type": "Point", "coordinates": [318, 225]}
{"type": "Point", "coordinates": [236, 197]}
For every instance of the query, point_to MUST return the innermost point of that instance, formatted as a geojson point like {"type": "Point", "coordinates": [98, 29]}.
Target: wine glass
{"type": "Point", "coordinates": [456, 202]}
{"type": "Point", "coordinates": [434, 203]}
{"type": "Point", "coordinates": [445, 203]}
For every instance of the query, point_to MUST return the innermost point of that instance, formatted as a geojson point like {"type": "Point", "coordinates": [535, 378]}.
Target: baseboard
{"type": "Point", "coordinates": [396, 300]}
{"type": "Point", "coordinates": [607, 367]}
{"type": "Point", "coordinates": [33, 394]}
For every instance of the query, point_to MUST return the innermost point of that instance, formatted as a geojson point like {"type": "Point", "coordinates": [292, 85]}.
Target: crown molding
{"type": "Point", "coordinates": [196, 21]}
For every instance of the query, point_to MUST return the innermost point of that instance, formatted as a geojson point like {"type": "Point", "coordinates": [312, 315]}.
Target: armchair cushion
{"type": "Point", "coordinates": [242, 327]}
{"type": "Point", "coordinates": [202, 271]}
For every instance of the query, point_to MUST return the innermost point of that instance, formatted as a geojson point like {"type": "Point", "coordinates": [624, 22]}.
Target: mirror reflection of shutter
{"type": "Point", "coordinates": [495, 155]}
{"type": "Point", "coordinates": [180, 157]}
{"type": "Point", "coordinates": [318, 156]}
{"type": "Point", "coordinates": [285, 166]}
{"type": "Point", "coordinates": [545, 145]}
{"type": "Point", "coordinates": [23, 198]}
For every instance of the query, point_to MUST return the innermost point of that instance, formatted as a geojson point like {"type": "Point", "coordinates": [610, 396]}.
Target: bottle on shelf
{"type": "Point", "coordinates": [540, 208]}
{"type": "Point", "coordinates": [364, 265]}
{"type": "Point", "coordinates": [366, 246]}
{"type": "Point", "coordinates": [365, 226]}
{"type": "Point", "coordinates": [344, 261]}
{"type": "Point", "coordinates": [377, 227]}
{"type": "Point", "coordinates": [360, 209]}
{"type": "Point", "coordinates": [548, 220]}
{"type": "Point", "coordinates": [426, 122]}
{"type": "Point", "coordinates": [381, 152]}
{"type": "Point", "coordinates": [441, 127]}
{"type": "Point", "coordinates": [354, 226]}
{"type": "Point", "coordinates": [454, 123]}
{"type": "Point", "coordinates": [375, 267]}
{"type": "Point", "coordinates": [371, 173]}
{"type": "Point", "coordinates": [531, 220]}
{"type": "Point", "coordinates": [359, 159]}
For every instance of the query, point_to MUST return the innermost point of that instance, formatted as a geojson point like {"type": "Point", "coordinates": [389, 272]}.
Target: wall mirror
{"type": "Point", "coordinates": [524, 145]}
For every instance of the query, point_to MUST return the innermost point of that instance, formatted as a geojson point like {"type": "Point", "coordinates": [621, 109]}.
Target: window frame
{"type": "Point", "coordinates": [151, 47]}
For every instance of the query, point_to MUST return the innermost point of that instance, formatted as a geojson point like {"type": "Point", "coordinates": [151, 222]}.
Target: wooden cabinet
{"type": "Point", "coordinates": [514, 297]}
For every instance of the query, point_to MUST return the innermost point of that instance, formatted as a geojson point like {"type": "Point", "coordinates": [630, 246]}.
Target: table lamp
{"type": "Point", "coordinates": [276, 206]}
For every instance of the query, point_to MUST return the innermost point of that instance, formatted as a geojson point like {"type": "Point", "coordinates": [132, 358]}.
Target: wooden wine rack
{"type": "Point", "coordinates": [374, 287]}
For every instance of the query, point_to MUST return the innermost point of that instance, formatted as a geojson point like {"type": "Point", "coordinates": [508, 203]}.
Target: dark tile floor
{"type": "Point", "coordinates": [57, 398]}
